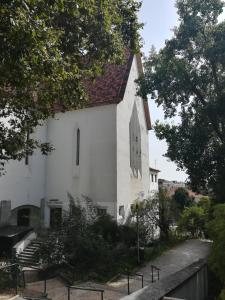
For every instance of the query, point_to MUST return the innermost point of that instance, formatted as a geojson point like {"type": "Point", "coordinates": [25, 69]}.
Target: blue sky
{"type": "Point", "coordinates": [160, 18]}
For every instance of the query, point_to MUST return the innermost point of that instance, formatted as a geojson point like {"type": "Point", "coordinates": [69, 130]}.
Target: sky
{"type": "Point", "coordinates": [159, 17]}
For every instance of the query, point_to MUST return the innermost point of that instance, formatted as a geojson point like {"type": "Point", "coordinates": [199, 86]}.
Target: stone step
{"type": "Point", "coordinates": [31, 247]}
{"type": "Point", "coordinates": [27, 258]}
{"type": "Point", "coordinates": [26, 254]}
{"type": "Point", "coordinates": [30, 264]}
{"type": "Point", "coordinates": [29, 252]}
{"type": "Point", "coordinates": [35, 244]}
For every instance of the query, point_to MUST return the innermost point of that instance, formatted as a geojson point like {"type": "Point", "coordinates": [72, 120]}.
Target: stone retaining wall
{"type": "Point", "coordinates": [191, 283]}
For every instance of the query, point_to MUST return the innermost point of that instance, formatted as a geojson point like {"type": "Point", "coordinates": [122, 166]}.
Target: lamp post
{"type": "Point", "coordinates": [138, 233]}
{"type": "Point", "coordinates": [137, 212]}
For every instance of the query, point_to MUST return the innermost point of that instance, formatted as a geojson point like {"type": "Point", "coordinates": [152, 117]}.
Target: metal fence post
{"type": "Point", "coordinates": [152, 274]}
{"type": "Point", "coordinates": [16, 279]}
{"type": "Point", "coordinates": [24, 281]}
{"type": "Point", "coordinates": [45, 286]}
{"type": "Point", "coordinates": [142, 281]}
{"type": "Point", "coordinates": [68, 293]}
{"type": "Point", "coordinates": [128, 283]}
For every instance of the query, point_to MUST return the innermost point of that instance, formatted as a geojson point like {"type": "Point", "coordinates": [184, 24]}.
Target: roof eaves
{"type": "Point", "coordinates": [154, 170]}
{"type": "Point", "coordinates": [125, 78]}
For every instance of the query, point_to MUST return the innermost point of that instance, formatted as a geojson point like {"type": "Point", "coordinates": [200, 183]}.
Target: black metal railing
{"type": "Point", "coordinates": [154, 270]}
{"type": "Point", "coordinates": [70, 287]}
{"type": "Point", "coordinates": [44, 279]}
{"type": "Point", "coordinates": [129, 275]}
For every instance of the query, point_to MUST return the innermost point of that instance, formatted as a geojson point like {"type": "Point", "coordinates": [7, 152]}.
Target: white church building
{"type": "Point", "coordinates": [101, 153]}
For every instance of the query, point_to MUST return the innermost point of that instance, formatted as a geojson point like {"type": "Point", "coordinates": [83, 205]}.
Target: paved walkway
{"type": "Point", "coordinates": [169, 262]}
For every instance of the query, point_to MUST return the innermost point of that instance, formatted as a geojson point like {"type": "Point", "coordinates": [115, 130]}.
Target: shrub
{"type": "Point", "coordinates": [192, 221]}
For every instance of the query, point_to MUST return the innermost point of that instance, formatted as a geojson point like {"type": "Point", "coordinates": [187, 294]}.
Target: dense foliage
{"type": "Point", "coordinates": [192, 220]}
{"type": "Point", "coordinates": [47, 48]}
{"type": "Point", "coordinates": [182, 198]}
{"type": "Point", "coordinates": [216, 228]}
{"type": "Point", "coordinates": [95, 246]}
{"type": "Point", "coordinates": [187, 77]}
{"type": "Point", "coordinates": [155, 216]}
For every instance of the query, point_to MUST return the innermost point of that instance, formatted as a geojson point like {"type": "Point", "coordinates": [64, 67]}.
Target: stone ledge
{"type": "Point", "coordinates": [166, 285]}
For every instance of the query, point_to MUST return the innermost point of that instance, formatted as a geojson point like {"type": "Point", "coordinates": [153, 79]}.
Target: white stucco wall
{"type": "Point", "coordinates": [25, 184]}
{"type": "Point", "coordinates": [129, 186]}
{"type": "Point", "coordinates": [154, 187]}
{"type": "Point", "coordinates": [95, 177]}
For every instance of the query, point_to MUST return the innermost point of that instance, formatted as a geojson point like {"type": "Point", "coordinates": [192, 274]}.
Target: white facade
{"type": "Point", "coordinates": [153, 177]}
{"type": "Point", "coordinates": [129, 184]}
{"type": "Point", "coordinates": [103, 173]}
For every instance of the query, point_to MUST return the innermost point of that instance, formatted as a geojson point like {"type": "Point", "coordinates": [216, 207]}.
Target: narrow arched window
{"type": "Point", "coordinates": [27, 152]}
{"type": "Point", "coordinates": [78, 148]}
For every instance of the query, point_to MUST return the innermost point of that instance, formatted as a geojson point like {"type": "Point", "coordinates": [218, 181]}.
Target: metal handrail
{"type": "Point", "coordinates": [35, 269]}
{"type": "Point", "coordinates": [128, 280]}
{"type": "Point", "coordinates": [84, 289]}
{"type": "Point", "coordinates": [152, 269]}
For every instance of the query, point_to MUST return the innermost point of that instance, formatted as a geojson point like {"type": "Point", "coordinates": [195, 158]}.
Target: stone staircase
{"type": "Point", "coordinates": [27, 256]}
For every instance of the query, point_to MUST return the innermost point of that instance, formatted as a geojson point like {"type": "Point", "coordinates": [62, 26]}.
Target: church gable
{"type": "Point", "coordinates": [110, 87]}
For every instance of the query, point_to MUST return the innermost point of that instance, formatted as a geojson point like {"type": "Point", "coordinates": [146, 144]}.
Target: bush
{"type": "Point", "coordinates": [93, 245]}
{"type": "Point", "coordinates": [216, 229]}
{"type": "Point", "coordinates": [7, 278]}
{"type": "Point", "coordinates": [192, 221]}
{"type": "Point", "coordinates": [107, 228]}
{"type": "Point", "coordinates": [222, 295]}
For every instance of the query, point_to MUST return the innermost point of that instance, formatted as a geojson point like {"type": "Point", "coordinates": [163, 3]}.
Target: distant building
{"type": "Point", "coordinates": [171, 186]}
{"type": "Point", "coordinates": [154, 187]}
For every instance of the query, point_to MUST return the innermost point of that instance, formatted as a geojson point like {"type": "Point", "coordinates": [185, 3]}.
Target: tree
{"type": "Point", "coordinates": [216, 229]}
{"type": "Point", "coordinates": [47, 48]}
{"type": "Point", "coordinates": [187, 77]}
{"type": "Point", "coordinates": [181, 198]}
{"type": "Point", "coordinates": [192, 220]}
{"type": "Point", "coordinates": [153, 214]}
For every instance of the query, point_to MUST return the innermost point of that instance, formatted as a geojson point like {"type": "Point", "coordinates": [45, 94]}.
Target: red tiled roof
{"type": "Point", "coordinates": [110, 87]}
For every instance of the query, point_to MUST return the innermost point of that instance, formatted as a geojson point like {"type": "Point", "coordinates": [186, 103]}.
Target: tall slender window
{"type": "Point", "coordinates": [27, 152]}
{"type": "Point", "coordinates": [78, 148]}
